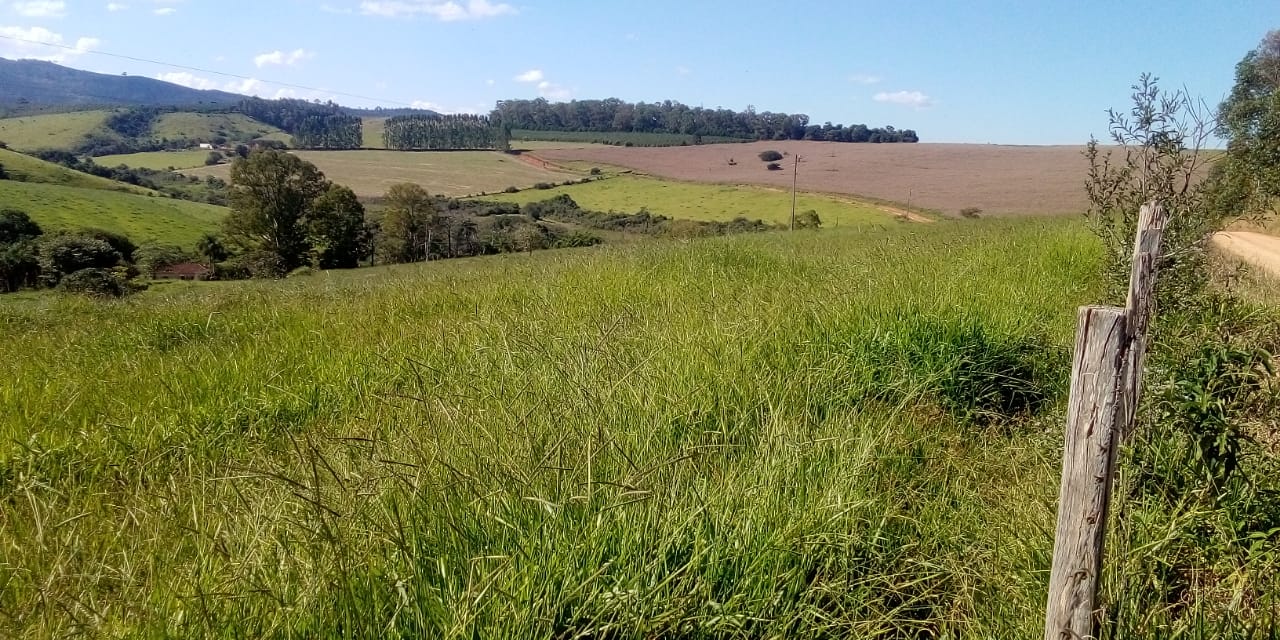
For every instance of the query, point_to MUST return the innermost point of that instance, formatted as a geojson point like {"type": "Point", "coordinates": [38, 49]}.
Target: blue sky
{"type": "Point", "coordinates": [1023, 72]}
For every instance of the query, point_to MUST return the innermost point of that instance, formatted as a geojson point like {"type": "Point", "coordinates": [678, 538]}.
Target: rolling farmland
{"type": "Point", "coordinates": [451, 173]}
{"type": "Point", "coordinates": [942, 177]}
{"type": "Point", "coordinates": [50, 131]}
{"type": "Point", "coordinates": [142, 218]}
{"type": "Point", "coordinates": [696, 201]}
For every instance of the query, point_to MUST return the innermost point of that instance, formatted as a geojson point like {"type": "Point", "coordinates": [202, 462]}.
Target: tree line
{"type": "Point", "coordinates": [445, 132]}
{"type": "Point", "coordinates": [313, 125]}
{"type": "Point", "coordinates": [614, 115]}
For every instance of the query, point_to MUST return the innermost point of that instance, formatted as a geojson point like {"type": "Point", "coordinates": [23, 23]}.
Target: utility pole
{"type": "Point", "coordinates": [795, 177]}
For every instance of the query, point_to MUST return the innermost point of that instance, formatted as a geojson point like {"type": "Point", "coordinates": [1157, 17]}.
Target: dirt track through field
{"type": "Point", "coordinates": [1257, 249]}
{"type": "Point", "coordinates": [999, 179]}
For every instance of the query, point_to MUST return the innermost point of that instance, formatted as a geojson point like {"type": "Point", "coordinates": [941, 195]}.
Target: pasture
{"type": "Point", "coordinates": [203, 127]}
{"type": "Point", "coordinates": [371, 129]}
{"type": "Point", "coordinates": [450, 173]}
{"type": "Point", "coordinates": [158, 160]}
{"type": "Point", "coordinates": [697, 201]}
{"type": "Point", "coordinates": [50, 131]}
{"type": "Point", "coordinates": [25, 168]}
{"type": "Point", "coordinates": [140, 217]}
{"type": "Point", "coordinates": [772, 435]}
{"type": "Point", "coordinates": [1006, 180]}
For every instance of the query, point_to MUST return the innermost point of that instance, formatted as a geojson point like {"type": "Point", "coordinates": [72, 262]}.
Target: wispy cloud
{"type": "Point", "coordinates": [281, 58]}
{"type": "Point", "coordinates": [41, 8]}
{"type": "Point", "coordinates": [865, 78]}
{"type": "Point", "coordinates": [116, 6]}
{"type": "Point", "coordinates": [165, 11]}
{"type": "Point", "coordinates": [914, 99]}
{"type": "Point", "coordinates": [447, 11]}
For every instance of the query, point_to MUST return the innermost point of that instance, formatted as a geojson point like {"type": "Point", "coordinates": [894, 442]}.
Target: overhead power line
{"type": "Point", "coordinates": [224, 74]}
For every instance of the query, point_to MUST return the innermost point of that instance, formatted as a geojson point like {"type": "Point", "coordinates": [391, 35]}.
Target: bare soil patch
{"type": "Point", "coordinates": [1260, 250]}
{"type": "Point", "coordinates": [999, 179]}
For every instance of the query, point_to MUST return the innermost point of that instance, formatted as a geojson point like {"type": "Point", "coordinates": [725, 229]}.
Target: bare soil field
{"type": "Point", "coordinates": [999, 179]}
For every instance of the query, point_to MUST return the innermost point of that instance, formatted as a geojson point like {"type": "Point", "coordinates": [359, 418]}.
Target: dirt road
{"type": "Point", "coordinates": [1260, 250]}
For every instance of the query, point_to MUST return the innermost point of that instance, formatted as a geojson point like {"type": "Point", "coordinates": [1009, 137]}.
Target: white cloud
{"type": "Point", "coordinates": [116, 6]}
{"type": "Point", "coordinates": [913, 99]}
{"type": "Point", "coordinates": [447, 11]}
{"type": "Point", "coordinates": [532, 75]}
{"type": "Point", "coordinates": [864, 78]}
{"type": "Point", "coordinates": [34, 44]}
{"type": "Point", "coordinates": [282, 58]}
{"type": "Point", "coordinates": [246, 86]}
{"type": "Point", "coordinates": [187, 79]}
{"type": "Point", "coordinates": [552, 91]}
{"type": "Point", "coordinates": [165, 11]}
{"type": "Point", "coordinates": [439, 108]}
{"type": "Point", "coordinates": [41, 8]}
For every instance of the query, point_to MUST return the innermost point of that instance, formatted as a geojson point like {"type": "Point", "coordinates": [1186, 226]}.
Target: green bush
{"type": "Point", "coordinates": [770, 156]}
{"type": "Point", "coordinates": [773, 166]}
{"type": "Point", "coordinates": [971, 212]}
{"type": "Point", "coordinates": [93, 282]}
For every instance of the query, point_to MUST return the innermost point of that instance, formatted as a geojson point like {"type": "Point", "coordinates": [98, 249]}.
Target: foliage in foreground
{"type": "Point", "coordinates": [761, 435]}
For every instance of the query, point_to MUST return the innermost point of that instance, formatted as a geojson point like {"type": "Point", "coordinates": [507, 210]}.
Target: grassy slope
{"type": "Point", "coordinates": [372, 130]}
{"type": "Point", "coordinates": [696, 201]}
{"type": "Point", "coordinates": [156, 159]}
{"type": "Point", "coordinates": [451, 173]}
{"type": "Point", "coordinates": [50, 131]}
{"type": "Point", "coordinates": [675, 439]}
{"type": "Point", "coordinates": [204, 126]}
{"type": "Point", "coordinates": [140, 217]}
{"type": "Point", "coordinates": [29, 169]}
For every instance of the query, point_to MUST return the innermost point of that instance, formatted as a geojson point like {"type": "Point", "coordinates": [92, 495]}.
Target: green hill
{"type": "Point", "coordinates": [52, 130]}
{"type": "Point", "coordinates": [140, 217]}
{"type": "Point", "coordinates": [204, 127]}
{"type": "Point", "coordinates": [33, 82]}
{"type": "Point", "coordinates": [23, 168]}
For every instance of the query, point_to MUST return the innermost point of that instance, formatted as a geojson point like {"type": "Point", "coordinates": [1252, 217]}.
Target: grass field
{"type": "Point", "coordinates": [159, 160]}
{"type": "Point", "coordinates": [204, 127]}
{"type": "Point", "coordinates": [696, 201]}
{"type": "Point", "coordinates": [28, 169]}
{"type": "Point", "coordinates": [372, 129]}
{"type": "Point", "coordinates": [943, 177]}
{"type": "Point", "coordinates": [623, 138]}
{"type": "Point", "coordinates": [451, 173]}
{"type": "Point", "coordinates": [50, 131]}
{"type": "Point", "coordinates": [142, 218]}
{"type": "Point", "coordinates": [724, 438]}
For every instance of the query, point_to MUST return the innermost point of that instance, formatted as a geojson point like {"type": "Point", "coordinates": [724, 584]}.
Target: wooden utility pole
{"type": "Point", "coordinates": [1106, 380]}
{"type": "Point", "coordinates": [795, 177]}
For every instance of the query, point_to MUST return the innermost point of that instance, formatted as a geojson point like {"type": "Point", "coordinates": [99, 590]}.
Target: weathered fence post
{"type": "Point", "coordinates": [1106, 381]}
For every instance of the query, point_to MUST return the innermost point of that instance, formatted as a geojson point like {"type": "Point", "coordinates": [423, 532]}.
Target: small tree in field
{"type": "Point", "coordinates": [770, 156]}
{"type": "Point", "coordinates": [1159, 158]}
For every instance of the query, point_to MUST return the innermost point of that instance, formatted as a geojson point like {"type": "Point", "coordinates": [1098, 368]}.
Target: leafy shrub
{"type": "Point", "coordinates": [971, 212]}
{"type": "Point", "coordinates": [152, 256]}
{"type": "Point", "coordinates": [544, 185]}
{"type": "Point", "coordinates": [213, 158]}
{"type": "Point", "coordinates": [808, 220]}
{"type": "Point", "coordinates": [511, 189]}
{"type": "Point", "coordinates": [253, 264]}
{"type": "Point", "coordinates": [773, 166]}
{"type": "Point", "coordinates": [93, 282]}
{"type": "Point", "coordinates": [4, 175]}
{"type": "Point", "coordinates": [62, 254]}
{"type": "Point", "coordinates": [770, 156]}
{"type": "Point", "coordinates": [577, 238]}
{"type": "Point", "coordinates": [595, 171]}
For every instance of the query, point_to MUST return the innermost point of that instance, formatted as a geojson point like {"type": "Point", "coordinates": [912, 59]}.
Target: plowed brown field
{"type": "Point", "coordinates": [998, 179]}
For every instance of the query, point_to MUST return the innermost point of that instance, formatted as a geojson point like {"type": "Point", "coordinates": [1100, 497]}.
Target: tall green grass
{"type": "Point", "coordinates": [849, 433]}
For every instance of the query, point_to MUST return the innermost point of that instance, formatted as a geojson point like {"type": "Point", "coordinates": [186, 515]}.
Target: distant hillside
{"type": "Point", "coordinates": [32, 82]}
{"type": "Point", "coordinates": [142, 218]}
{"type": "Point", "coordinates": [22, 168]}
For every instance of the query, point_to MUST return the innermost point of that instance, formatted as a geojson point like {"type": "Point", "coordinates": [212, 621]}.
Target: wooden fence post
{"type": "Point", "coordinates": [1106, 382]}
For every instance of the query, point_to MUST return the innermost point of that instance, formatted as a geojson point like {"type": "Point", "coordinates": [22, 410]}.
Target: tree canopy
{"type": "Point", "coordinates": [272, 195]}
{"type": "Point", "coordinates": [1248, 178]}
{"type": "Point", "coordinates": [614, 115]}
